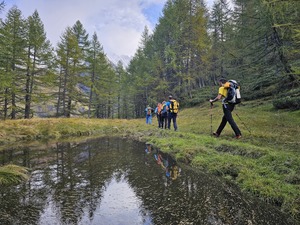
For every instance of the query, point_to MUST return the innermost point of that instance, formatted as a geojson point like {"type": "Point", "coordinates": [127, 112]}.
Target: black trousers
{"type": "Point", "coordinates": [227, 117]}
{"type": "Point", "coordinates": [160, 121]}
{"type": "Point", "coordinates": [172, 117]}
{"type": "Point", "coordinates": [164, 120]}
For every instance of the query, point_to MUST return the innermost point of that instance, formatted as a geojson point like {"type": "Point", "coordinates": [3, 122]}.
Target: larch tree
{"type": "Point", "coordinates": [97, 64]}
{"type": "Point", "coordinates": [39, 59]}
{"type": "Point", "coordinates": [220, 29]}
{"type": "Point", "coordinates": [13, 57]}
{"type": "Point", "coordinates": [69, 55]}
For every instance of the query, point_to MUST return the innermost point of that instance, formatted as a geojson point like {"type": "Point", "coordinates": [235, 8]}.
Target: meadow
{"type": "Point", "coordinates": [265, 162]}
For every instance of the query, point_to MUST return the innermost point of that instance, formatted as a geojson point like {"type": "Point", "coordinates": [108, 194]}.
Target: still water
{"type": "Point", "coordinates": [111, 181]}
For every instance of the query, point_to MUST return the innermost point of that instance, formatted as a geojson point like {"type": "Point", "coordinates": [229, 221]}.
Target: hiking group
{"type": "Point", "coordinates": [229, 92]}
{"type": "Point", "coordinates": [166, 113]}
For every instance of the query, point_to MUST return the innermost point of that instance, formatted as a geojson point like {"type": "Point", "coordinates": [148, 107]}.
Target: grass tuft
{"type": "Point", "coordinates": [12, 174]}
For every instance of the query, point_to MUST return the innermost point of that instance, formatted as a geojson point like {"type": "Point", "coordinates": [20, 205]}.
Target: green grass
{"type": "Point", "coordinates": [12, 174]}
{"type": "Point", "coordinates": [265, 162]}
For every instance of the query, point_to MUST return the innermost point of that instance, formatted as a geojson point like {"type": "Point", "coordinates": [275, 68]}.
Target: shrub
{"type": "Point", "coordinates": [288, 102]}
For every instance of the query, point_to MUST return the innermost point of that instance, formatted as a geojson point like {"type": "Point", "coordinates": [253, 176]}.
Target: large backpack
{"type": "Point", "coordinates": [174, 106]}
{"type": "Point", "coordinates": [149, 110]}
{"type": "Point", "coordinates": [233, 92]}
{"type": "Point", "coordinates": [164, 108]}
{"type": "Point", "coordinates": [159, 108]}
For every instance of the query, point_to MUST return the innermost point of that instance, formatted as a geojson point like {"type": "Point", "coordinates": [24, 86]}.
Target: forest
{"type": "Point", "coordinates": [256, 42]}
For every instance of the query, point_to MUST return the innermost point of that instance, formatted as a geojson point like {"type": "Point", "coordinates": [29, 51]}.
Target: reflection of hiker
{"type": "Point", "coordinates": [160, 159]}
{"type": "Point", "coordinates": [148, 112]}
{"type": "Point", "coordinates": [173, 110]}
{"type": "Point", "coordinates": [147, 151]}
{"type": "Point", "coordinates": [174, 172]}
{"type": "Point", "coordinates": [168, 164]}
{"type": "Point", "coordinates": [148, 148]}
{"type": "Point", "coordinates": [158, 114]}
{"type": "Point", "coordinates": [227, 109]}
{"type": "Point", "coordinates": [164, 115]}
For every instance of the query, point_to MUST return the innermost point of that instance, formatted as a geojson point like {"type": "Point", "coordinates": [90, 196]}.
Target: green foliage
{"type": "Point", "coordinates": [38, 63]}
{"type": "Point", "coordinates": [173, 59]}
{"type": "Point", "coordinates": [13, 55]}
{"type": "Point", "coordinates": [288, 100]}
{"type": "Point", "coordinates": [287, 103]}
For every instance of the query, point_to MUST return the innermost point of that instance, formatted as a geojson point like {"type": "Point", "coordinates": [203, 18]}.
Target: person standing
{"type": "Point", "coordinates": [173, 106]}
{"type": "Point", "coordinates": [148, 112]}
{"type": "Point", "coordinates": [227, 110]}
{"type": "Point", "coordinates": [158, 114]}
{"type": "Point", "coordinates": [164, 115]}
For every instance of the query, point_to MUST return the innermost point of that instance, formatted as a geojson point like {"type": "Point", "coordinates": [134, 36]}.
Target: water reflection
{"type": "Point", "coordinates": [168, 164]}
{"type": "Point", "coordinates": [113, 181]}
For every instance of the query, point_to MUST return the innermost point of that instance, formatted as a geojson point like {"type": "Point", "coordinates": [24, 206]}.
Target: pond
{"type": "Point", "coordinates": [112, 181]}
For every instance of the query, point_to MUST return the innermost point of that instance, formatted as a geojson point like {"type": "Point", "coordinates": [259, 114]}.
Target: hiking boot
{"type": "Point", "coordinates": [238, 136]}
{"type": "Point", "coordinates": [216, 134]}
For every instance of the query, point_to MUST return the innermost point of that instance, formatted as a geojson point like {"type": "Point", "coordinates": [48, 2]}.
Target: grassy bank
{"type": "Point", "coordinates": [265, 162]}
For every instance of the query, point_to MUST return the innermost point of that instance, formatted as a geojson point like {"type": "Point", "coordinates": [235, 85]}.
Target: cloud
{"type": "Point", "coordinates": [118, 23]}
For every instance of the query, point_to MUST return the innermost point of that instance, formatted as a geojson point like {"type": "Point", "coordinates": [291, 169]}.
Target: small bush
{"type": "Point", "coordinates": [288, 102]}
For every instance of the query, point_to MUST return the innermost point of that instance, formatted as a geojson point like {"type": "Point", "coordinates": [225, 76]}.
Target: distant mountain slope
{"type": "Point", "coordinates": [114, 59]}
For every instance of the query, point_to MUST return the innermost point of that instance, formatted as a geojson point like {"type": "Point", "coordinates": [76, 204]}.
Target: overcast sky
{"type": "Point", "coordinates": [118, 23]}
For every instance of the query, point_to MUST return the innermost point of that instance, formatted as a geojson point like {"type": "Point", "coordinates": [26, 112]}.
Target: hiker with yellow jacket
{"type": "Point", "coordinates": [227, 110]}
{"type": "Point", "coordinates": [173, 106]}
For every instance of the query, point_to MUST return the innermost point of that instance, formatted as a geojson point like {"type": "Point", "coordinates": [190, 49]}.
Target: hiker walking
{"type": "Point", "coordinates": [158, 114]}
{"type": "Point", "coordinates": [173, 106]}
{"type": "Point", "coordinates": [148, 112]}
{"type": "Point", "coordinates": [164, 115]}
{"type": "Point", "coordinates": [227, 110]}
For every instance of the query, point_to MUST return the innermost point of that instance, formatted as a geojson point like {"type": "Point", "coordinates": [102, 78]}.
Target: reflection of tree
{"type": "Point", "coordinates": [73, 182]}
{"type": "Point", "coordinates": [80, 180]}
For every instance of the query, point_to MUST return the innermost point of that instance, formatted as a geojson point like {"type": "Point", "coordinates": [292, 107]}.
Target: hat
{"type": "Point", "coordinates": [222, 80]}
{"type": "Point", "coordinates": [170, 96]}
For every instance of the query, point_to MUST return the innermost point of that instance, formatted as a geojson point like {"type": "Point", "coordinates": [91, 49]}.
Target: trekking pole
{"type": "Point", "coordinates": [211, 106]}
{"type": "Point", "coordinates": [243, 123]}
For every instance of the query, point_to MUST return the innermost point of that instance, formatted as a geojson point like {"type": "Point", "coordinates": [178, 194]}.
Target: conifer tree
{"type": "Point", "coordinates": [173, 59]}
{"type": "Point", "coordinates": [123, 93]}
{"type": "Point", "coordinates": [80, 67]}
{"type": "Point", "coordinates": [13, 57]}
{"type": "Point", "coordinates": [285, 24]}
{"type": "Point", "coordinates": [97, 65]}
{"type": "Point", "coordinates": [69, 56]}
{"type": "Point", "coordinates": [39, 58]}
{"type": "Point", "coordinates": [220, 34]}
{"type": "Point", "coordinates": [142, 75]}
